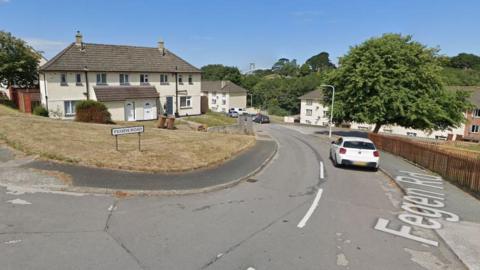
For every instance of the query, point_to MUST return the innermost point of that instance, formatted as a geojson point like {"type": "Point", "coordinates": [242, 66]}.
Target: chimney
{"type": "Point", "coordinates": [223, 83]}
{"type": "Point", "coordinates": [78, 39]}
{"type": "Point", "coordinates": [161, 46]}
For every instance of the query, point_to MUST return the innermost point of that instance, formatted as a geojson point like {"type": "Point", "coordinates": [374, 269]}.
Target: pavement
{"type": "Point", "coordinates": [298, 212]}
{"type": "Point", "coordinates": [97, 179]}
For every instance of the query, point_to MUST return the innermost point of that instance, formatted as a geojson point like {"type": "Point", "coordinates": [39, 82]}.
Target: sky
{"type": "Point", "coordinates": [236, 32]}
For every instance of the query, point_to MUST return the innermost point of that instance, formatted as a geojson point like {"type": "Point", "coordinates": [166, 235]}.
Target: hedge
{"type": "Point", "coordinates": [40, 111]}
{"type": "Point", "coordinates": [91, 111]}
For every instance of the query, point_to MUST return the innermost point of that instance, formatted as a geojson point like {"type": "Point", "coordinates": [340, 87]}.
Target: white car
{"type": "Point", "coordinates": [354, 151]}
{"type": "Point", "coordinates": [240, 111]}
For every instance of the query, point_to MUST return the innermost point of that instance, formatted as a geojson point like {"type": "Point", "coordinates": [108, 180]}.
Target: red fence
{"type": "Point", "coordinates": [462, 169]}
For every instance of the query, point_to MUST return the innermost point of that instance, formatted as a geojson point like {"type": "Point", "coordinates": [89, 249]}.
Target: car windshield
{"type": "Point", "coordinates": [359, 145]}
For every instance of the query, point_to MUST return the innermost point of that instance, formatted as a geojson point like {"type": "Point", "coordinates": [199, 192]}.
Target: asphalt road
{"type": "Point", "coordinates": [292, 215]}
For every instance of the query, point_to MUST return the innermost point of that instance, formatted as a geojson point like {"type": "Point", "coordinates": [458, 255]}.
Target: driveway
{"type": "Point", "coordinates": [299, 212]}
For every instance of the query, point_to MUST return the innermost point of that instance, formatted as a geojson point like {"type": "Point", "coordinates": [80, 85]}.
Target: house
{"type": "Point", "coordinates": [135, 83]}
{"type": "Point", "coordinates": [223, 95]}
{"type": "Point", "coordinates": [312, 110]}
{"type": "Point", "coordinates": [314, 113]}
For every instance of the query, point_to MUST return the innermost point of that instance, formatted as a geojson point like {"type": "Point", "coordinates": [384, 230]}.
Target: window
{"type": "Point", "coordinates": [101, 78]}
{"type": "Point", "coordinates": [69, 108]}
{"type": "Point", "coordinates": [124, 79]}
{"type": "Point", "coordinates": [476, 113]}
{"type": "Point", "coordinates": [309, 102]}
{"type": "Point", "coordinates": [190, 79]}
{"type": "Point", "coordinates": [412, 134]}
{"type": "Point", "coordinates": [180, 79]}
{"type": "Point", "coordinates": [143, 78]}
{"type": "Point", "coordinates": [163, 79]}
{"type": "Point", "coordinates": [78, 79]}
{"type": "Point", "coordinates": [309, 112]}
{"type": "Point", "coordinates": [185, 102]}
{"type": "Point", "coordinates": [475, 128]}
{"type": "Point", "coordinates": [224, 101]}
{"type": "Point", "coordinates": [359, 145]}
{"type": "Point", "coordinates": [214, 101]}
{"type": "Point", "coordinates": [63, 79]}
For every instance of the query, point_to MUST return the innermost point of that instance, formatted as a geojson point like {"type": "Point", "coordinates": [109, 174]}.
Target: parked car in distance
{"type": "Point", "coordinates": [240, 111]}
{"type": "Point", "coordinates": [354, 151]}
{"type": "Point", "coordinates": [261, 119]}
{"type": "Point", "coordinates": [233, 114]}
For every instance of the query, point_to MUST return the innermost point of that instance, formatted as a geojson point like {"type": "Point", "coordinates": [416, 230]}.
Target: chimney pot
{"type": "Point", "coordinates": [78, 39]}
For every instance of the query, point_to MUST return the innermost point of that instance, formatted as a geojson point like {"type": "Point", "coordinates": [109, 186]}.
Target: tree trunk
{"type": "Point", "coordinates": [377, 127]}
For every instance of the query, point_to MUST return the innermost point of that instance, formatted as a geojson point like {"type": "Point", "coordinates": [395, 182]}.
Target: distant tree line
{"type": "Point", "coordinates": [276, 89]}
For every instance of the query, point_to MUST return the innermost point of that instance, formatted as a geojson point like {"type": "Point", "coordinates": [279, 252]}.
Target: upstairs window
{"type": "Point", "coordinates": [190, 79]}
{"type": "Point", "coordinates": [476, 113]}
{"type": "Point", "coordinates": [309, 102]}
{"type": "Point", "coordinates": [180, 79]}
{"type": "Point", "coordinates": [163, 79]}
{"type": "Point", "coordinates": [124, 79]}
{"type": "Point", "coordinates": [63, 79]}
{"type": "Point", "coordinates": [78, 79]}
{"type": "Point", "coordinates": [101, 78]}
{"type": "Point", "coordinates": [143, 78]}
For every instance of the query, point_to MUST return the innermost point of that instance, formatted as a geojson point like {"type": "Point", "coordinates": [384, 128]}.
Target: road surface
{"type": "Point", "coordinates": [299, 212]}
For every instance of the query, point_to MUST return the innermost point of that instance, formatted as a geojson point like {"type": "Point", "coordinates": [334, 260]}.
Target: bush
{"type": "Point", "coordinates": [8, 103]}
{"type": "Point", "coordinates": [276, 110]}
{"type": "Point", "coordinates": [91, 111]}
{"type": "Point", "coordinates": [40, 111]}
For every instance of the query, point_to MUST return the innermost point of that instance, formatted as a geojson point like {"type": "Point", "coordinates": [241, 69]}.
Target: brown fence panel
{"type": "Point", "coordinates": [463, 169]}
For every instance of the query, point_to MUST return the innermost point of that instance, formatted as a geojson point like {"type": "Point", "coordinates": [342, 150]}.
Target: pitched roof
{"type": "Point", "coordinates": [315, 94]}
{"type": "Point", "coordinates": [475, 90]}
{"type": "Point", "coordinates": [116, 58]}
{"type": "Point", "coordinates": [227, 87]}
{"type": "Point", "coordinates": [122, 92]}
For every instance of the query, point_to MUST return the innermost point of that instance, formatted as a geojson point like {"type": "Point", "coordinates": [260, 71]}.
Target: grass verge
{"type": "Point", "coordinates": [92, 144]}
{"type": "Point", "coordinates": [212, 119]}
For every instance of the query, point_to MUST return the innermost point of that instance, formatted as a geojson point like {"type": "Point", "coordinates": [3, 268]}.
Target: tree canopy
{"type": "Point", "coordinates": [18, 62]}
{"type": "Point", "coordinates": [465, 61]}
{"type": "Point", "coordinates": [395, 80]}
{"type": "Point", "coordinates": [320, 62]}
{"type": "Point", "coordinates": [220, 72]}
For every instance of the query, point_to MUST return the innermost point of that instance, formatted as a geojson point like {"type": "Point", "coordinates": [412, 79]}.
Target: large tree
{"type": "Point", "coordinates": [320, 62]}
{"type": "Point", "coordinates": [18, 62]}
{"type": "Point", "coordinates": [285, 67]}
{"type": "Point", "coordinates": [395, 80]}
{"type": "Point", "coordinates": [221, 72]}
{"type": "Point", "coordinates": [465, 61]}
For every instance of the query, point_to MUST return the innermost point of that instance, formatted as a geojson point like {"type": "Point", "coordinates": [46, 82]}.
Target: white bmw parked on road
{"type": "Point", "coordinates": [354, 151]}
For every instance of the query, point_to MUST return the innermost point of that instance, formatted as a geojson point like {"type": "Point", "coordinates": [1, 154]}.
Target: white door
{"type": "Point", "coordinates": [130, 111]}
{"type": "Point", "coordinates": [148, 111]}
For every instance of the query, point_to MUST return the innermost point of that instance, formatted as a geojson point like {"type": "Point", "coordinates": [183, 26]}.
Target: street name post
{"type": "Point", "coordinates": [127, 130]}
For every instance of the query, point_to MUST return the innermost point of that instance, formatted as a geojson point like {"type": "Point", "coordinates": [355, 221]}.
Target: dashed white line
{"type": "Point", "coordinates": [322, 173]}
{"type": "Point", "coordinates": [250, 268]}
{"type": "Point", "coordinates": [309, 213]}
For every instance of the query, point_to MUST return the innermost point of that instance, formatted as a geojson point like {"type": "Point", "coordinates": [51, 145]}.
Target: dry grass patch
{"type": "Point", "coordinates": [92, 144]}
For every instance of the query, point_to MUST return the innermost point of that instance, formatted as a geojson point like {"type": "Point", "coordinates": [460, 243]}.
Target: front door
{"type": "Point", "coordinates": [148, 111]}
{"type": "Point", "coordinates": [169, 105]}
{"type": "Point", "coordinates": [130, 111]}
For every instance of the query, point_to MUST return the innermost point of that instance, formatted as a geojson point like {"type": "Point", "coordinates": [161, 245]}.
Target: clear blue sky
{"type": "Point", "coordinates": [236, 33]}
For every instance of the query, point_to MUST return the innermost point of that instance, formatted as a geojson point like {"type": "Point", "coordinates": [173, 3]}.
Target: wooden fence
{"type": "Point", "coordinates": [462, 169]}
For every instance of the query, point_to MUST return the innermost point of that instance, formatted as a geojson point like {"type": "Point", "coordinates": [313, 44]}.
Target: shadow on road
{"type": "Point", "coordinates": [345, 133]}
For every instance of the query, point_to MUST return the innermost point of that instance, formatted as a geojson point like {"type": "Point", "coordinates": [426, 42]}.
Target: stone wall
{"type": "Point", "coordinates": [244, 126]}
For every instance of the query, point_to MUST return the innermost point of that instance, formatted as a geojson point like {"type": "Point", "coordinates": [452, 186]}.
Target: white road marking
{"type": "Point", "coordinates": [309, 213]}
{"type": "Point", "coordinates": [19, 201]}
{"type": "Point", "coordinates": [322, 174]}
{"type": "Point", "coordinates": [12, 242]}
{"type": "Point", "coordinates": [250, 268]}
